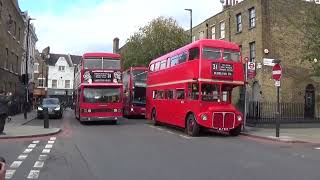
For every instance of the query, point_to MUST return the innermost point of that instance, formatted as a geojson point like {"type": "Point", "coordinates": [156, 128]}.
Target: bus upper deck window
{"type": "Point", "coordinates": [193, 53]}
{"type": "Point", "coordinates": [211, 53]}
{"type": "Point", "coordinates": [231, 55]}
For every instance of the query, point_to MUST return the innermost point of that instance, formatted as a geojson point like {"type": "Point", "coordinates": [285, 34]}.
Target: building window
{"type": "Point", "coordinates": [41, 82]}
{"type": "Point", "coordinates": [222, 30]}
{"type": "Point", "coordinates": [54, 84]}
{"type": "Point", "coordinates": [6, 63]}
{"type": "Point", "coordinates": [36, 67]}
{"type": "Point", "coordinates": [213, 32]}
{"type": "Point", "coordinates": [61, 68]}
{"type": "Point", "coordinates": [67, 84]}
{"type": "Point", "coordinates": [252, 17]}
{"type": "Point", "coordinates": [19, 34]}
{"type": "Point", "coordinates": [239, 22]}
{"type": "Point", "coordinates": [15, 28]}
{"type": "Point", "coordinates": [17, 64]}
{"type": "Point", "coordinates": [201, 35]}
{"type": "Point", "coordinates": [193, 38]}
{"type": "Point", "coordinates": [252, 47]}
{"type": "Point", "coordinates": [0, 8]}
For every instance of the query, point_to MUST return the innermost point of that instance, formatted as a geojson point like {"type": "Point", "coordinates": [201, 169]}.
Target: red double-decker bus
{"type": "Point", "coordinates": [192, 87]}
{"type": "Point", "coordinates": [98, 88]}
{"type": "Point", "coordinates": [134, 86]}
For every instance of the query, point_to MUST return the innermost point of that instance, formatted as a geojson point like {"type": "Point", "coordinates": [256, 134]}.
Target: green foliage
{"type": "Point", "coordinates": [159, 37]}
{"type": "Point", "coordinates": [312, 45]}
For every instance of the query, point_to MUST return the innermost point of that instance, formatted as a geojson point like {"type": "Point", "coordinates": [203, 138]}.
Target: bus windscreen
{"type": "Point", "coordinates": [101, 95]}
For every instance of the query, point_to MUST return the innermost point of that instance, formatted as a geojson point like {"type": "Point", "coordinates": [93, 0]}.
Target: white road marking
{"type": "Point", "coordinates": [46, 151]}
{"type": "Point", "coordinates": [34, 174]}
{"type": "Point", "coordinates": [15, 164]}
{"type": "Point", "coordinates": [32, 145]}
{"type": "Point", "coordinates": [35, 142]}
{"type": "Point", "coordinates": [160, 129]}
{"type": "Point", "coordinates": [38, 164]}
{"type": "Point", "coordinates": [27, 150]}
{"type": "Point", "coordinates": [185, 137]}
{"type": "Point", "coordinates": [22, 157]}
{"type": "Point", "coordinates": [53, 138]}
{"type": "Point", "coordinates": [170, 132]}
{"type": "Point", "coordinates": [317, 148]}
{"type": "Point", "coordinates": [9, 173]}
{"type": "Point", "coordinates": [50, 142]}
{"type": "Point", "coordinates": [43, 157]}
{"type": "Point", "coordinates": [48, 146]}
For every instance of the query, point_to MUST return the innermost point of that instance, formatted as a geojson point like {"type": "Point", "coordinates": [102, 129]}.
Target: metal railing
{"type": "Point", "coordinates": [265, 113]}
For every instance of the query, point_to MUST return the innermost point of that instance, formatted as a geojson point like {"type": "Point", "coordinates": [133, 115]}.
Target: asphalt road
{"type": "Point", "coordinates": [136, 150]}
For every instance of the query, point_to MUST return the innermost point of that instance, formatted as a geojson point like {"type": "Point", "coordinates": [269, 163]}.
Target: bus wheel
{"type": "Point", "coordinates": [236, 131]}
{"type": "Point", "coordinates": [153, 118]}
{"type": "Point", "coordinates": [192, 127]}
{"type": "Point", "coordinates": [77, 117]}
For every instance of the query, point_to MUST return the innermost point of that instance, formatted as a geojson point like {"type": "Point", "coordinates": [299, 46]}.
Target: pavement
{"type": "Point", "coordinates": [290, 135]}
{"type": "Point", "coordinates": [17, 127]}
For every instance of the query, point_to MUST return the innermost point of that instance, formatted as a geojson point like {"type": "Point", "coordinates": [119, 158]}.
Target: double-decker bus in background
{"type": "Point", "coordinates": [134, 86]}
{"type": "Point", "coordinates": [192, 87]}
{"type": "Point", "coordinates": [98, 88]}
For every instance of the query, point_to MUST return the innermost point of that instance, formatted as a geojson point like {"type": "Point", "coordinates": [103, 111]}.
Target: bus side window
{"type": "Point", "coordinates": [151, 67]}
{"type": "Point", "coordinates": [180, 93]}
{"type": "Point", "coordinates": [193, 91]}
{"type": "Point", "coordinates": [157, 66]}
{"type": "Point", "coordinates": [193, 53]}
{"type": "Point", "coordinates": [170, 94]}
{"type": "Point", "coordinates": [154, 94]}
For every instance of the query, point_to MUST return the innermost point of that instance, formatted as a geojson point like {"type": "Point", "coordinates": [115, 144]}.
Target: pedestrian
{"type": "Point", "coordinates": [2, 169]}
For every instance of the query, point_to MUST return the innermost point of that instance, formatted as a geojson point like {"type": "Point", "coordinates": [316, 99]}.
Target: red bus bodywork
{"type": "Point", "coordinates": [196, 81]}
{"type": "Point", "coordinates": [134, 98]}
{"type": "Point", "coordinates": [98, 88]}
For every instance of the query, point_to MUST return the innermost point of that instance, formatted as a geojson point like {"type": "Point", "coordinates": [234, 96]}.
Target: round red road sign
{"type": "Point", "coordinates": [276, 72]}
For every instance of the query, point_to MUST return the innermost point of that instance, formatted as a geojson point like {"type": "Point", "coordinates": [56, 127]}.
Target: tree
{"type": "Point", "coordinates": [159, 37]}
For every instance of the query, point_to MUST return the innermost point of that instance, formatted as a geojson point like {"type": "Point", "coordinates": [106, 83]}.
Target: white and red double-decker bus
{"type": "Point", "coordinates": [134, 87]}
{"type": "Point", "coordinates": [192, 87]}
{"type": "Point", "coordinates": [98, 88]}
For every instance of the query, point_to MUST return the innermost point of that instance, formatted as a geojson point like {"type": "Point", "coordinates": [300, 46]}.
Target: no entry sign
{"type": "Point", "coordinates": [276, 72]}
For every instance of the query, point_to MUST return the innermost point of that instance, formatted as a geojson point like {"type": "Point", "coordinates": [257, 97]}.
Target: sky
{"type": "Point", "coordinates": [79, 26]}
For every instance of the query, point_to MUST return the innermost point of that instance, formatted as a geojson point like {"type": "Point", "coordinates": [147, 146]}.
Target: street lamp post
{"type": "Point", "coordinates": [27, 75]}
{"type": "Point", "coordinates": [190, 10]}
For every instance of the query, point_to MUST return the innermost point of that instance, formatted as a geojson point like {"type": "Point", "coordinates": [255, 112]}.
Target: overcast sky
{"type": "Point", "coordinates": [78, 26]}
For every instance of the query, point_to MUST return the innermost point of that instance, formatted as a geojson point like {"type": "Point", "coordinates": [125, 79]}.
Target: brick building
{"type": "Point", "coordinates": [12, 28]}
{"type": "Point", "coordinates": [268, 29]}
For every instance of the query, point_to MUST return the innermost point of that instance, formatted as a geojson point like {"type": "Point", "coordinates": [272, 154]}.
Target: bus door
{"type": "Point", "coordinates": [178, 107]}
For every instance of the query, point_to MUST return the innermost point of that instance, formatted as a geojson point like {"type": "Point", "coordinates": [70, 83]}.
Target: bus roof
{"type": "Point", "coordinates": [101, 84]}
{"type": "Point", "coordinates": [101, 54]}
{"type": "Point", "coordinates": [203, 42]}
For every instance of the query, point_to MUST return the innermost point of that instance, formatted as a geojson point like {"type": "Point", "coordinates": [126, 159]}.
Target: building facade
{"type": "Point", "coordinates": [61, 76]}
{"type": "Point", "coordinates": [268, 30]}
{"type": "Point", "coordinates": [31, 61]}
{"type": "Point", "coordinates": [12, 35]}
{"type": "Point", "coordinates": [40, 76]}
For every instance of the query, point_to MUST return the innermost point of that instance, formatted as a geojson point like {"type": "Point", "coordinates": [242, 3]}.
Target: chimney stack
{"type": "Point", "coordinates": [116, 45]}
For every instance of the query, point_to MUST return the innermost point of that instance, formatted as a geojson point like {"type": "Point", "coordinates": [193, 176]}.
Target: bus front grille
{"type": "Point", "coordinates": [223, 120]}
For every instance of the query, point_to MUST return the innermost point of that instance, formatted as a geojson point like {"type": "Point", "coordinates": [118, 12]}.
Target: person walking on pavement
{"type": "Point", "coordinates": [2, 169]}
{"type": "Point", "coordinates": [3, 110]}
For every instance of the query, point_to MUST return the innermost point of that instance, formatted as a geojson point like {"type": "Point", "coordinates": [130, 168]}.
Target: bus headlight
{"type": "Point", "coordinates": [40, 108]}
{"type": "Point", "coordinates": [204, 117]}
{"type": "Point", "coordinates": [131, 109]}
{"type": "Point", "coordinates": [239, 118]}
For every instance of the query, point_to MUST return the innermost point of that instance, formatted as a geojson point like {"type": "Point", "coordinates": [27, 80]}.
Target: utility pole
{"type": "Point", "coordinates": [190, 10]}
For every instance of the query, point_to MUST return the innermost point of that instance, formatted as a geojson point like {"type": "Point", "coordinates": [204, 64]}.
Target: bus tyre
{"type": "Point", "coordinates": [236, 131]}
{"type": "Point", "coordinates": [154, 118]}
{"type": "Point", "coordinates": [77, 117]}
{"type": "Point", "coordinates": [192, 127]}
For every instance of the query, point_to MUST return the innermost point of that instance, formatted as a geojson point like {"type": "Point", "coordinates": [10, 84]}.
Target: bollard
{"type": "Point", "coordinates": [46, 118]}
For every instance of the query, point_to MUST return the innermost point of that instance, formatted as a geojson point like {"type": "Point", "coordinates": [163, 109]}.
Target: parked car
{"type": "Point", "coordinates": [54, 106]}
